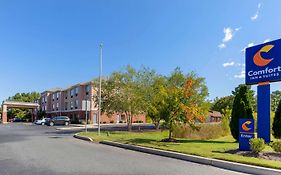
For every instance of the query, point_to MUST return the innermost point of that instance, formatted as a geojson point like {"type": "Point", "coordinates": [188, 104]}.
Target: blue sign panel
{"type": "Point", "coordinates": [264, 112]}
{"type": "Point", "coordinates": [263, 62]}
{"type": "Point", "coordinates": [246, 132]}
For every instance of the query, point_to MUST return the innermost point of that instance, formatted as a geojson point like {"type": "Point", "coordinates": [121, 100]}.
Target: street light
{"type": "Point", "coordinates": [100, 74]}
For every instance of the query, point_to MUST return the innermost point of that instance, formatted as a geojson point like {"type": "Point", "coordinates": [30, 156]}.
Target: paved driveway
{"type": "Point", "coordinates": [30, 150]}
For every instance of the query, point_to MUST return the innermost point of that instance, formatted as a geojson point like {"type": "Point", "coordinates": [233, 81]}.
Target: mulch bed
{"type": "Point", "coordinates": [263, 155]}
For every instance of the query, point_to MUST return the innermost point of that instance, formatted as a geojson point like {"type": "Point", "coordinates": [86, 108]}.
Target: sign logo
{"type": "Point", "coordinates": [259, 60]}
{"type": "Point", "coordinates": [245, 127]}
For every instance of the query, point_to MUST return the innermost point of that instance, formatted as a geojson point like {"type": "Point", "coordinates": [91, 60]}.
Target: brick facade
{"type": "Point", "coordinates": [68, 102]}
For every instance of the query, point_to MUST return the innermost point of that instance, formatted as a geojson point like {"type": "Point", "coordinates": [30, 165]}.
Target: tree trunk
{"type": "Point", "coordinates": [157, 125]}
{"type": "Point", "coordinates": [129, 124]}
{"type": "Point", "coordinates": [170, 131]}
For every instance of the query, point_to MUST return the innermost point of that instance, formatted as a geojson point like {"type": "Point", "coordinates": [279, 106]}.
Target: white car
{"type": "Point", "coordinates": [40, 122]}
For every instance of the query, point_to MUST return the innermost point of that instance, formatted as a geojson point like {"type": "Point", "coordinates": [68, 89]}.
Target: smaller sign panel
{"type": "Point", "coordinates": [86, 105]}
{"type": "Point", "coordinates": [246, 132]}
{"type": "Point", "coordinates": [263, 62]}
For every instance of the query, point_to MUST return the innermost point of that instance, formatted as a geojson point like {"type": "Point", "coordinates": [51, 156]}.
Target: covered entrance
{"type": "Point", "coordinates": [14, 104]}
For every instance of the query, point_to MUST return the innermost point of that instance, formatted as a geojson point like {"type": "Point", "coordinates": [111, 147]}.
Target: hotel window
{"type": "Point", "coordinates": [45, 99]}
{"type": "Point", "coordinates": [71, 92]}
{"type": "Point", "coordinates": [66, 105]}
{"type": "Point", "coordinates": [53, 107]}
{"type": "Point", "coordinates": [42, 100]}
{"type": "Point", "coordinates": [66, 94]}
{"type": "Point", "coordinates": [88, 87]}
{"type": "Point", "coordinates": [57, 108]}
{"type": "Point", "coordinates": [76, 104]}
{"type": "Point", "coordinates": [71, 105]}
{"type": "Point", "coordinates": [76, 91]}
{"type": "Point", "coordinates": [53, 97]}
{"type": "Point", "coordinates": [58, 95]}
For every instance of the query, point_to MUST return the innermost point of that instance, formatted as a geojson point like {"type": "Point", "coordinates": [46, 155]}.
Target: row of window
{"type": "Point", "coordinates": [73, 105]}
{"type": "Point", "coordinates": [74, 91]}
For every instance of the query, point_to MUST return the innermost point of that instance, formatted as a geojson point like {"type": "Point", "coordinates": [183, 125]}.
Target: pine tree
{"type": "Point", "coordinates": [241, 109]}
{"type": "Point", "coordinates": [276, 127]}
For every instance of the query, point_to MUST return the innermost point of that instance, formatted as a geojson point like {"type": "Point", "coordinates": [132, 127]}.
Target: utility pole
{"type": "Point", "coordinates": [99, 116]}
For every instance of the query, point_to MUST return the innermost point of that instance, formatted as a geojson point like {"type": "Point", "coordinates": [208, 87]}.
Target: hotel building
{"type": "Point", "coordinates": [68, 102]}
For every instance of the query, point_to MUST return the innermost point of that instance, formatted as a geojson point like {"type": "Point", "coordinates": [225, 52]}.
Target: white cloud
{"type": "Point", "coordinates": [267, 40]}
{"type": "Point", "coordinates": [238, 28]}
{"type": "Point", "coordinates": [253, 18]}
{"type": "Point", "coordinates": [228, 64]}
{"type": "Point", "coordinates": [228, 34]}
{"type": "Point", "coordinates": [240, 75]}
{"type": "Point", "coordinates": [222, 45]}
{"type": "Point", "coordinates": [249, 45]}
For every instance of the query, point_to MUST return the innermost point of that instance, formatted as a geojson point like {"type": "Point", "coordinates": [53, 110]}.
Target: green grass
{"type": "Point", "coordinates": [214, 148]}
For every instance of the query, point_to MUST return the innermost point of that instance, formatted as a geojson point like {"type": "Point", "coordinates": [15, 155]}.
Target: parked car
{"type": "Point", "coordinates": [17, 120]}
{"type": "Point", "coordinates": [59, 120]}
{"type": "Point", "coordinates": [41, 122]}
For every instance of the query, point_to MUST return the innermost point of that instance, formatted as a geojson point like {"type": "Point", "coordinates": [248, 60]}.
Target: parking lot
{"type": "Point", "coordinates": [33, 149]}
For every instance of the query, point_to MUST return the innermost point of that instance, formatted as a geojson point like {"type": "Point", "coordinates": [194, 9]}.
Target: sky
{"type": "Point", "coordinates": [49, 43]}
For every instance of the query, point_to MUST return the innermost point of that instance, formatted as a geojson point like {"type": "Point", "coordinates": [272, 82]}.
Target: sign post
{"type": "Point", "coordinates": [246, 132]}
{"type": "Point", "coordinates": [86, 107]}
{"type": "Point", "coordinates": [263, 65]}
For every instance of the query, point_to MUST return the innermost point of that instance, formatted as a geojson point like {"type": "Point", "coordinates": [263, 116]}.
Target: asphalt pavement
{"type": "Point", "coordinates": [30, 150]}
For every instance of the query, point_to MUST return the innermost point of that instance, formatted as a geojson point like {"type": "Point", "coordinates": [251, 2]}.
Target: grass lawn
{"type": "Point", "coordinates": [207, 148]}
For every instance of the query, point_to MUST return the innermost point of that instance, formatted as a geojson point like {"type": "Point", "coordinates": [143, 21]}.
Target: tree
{"type": "Point", "coordinates": [222, 104]}
{"type": "Point", "coordinates": [276, 126]}
{"type": "Point", "coordinates": [156, 100]}
{"type": "Point", "coordinates": [185, 100]}
{"type": "Point", "coordinates": [241, 109]}
{"type": "Point", "coordinates": [251, 95]}
{"type": "Point", "coordinates": [275, 98]}
{"type": "Point", "coordinates": [122, 94]}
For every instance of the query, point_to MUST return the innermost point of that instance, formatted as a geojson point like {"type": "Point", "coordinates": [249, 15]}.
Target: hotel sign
{"type": "Point", "coordinates": [263, 63]}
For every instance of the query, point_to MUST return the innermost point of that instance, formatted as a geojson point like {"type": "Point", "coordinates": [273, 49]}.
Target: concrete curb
{"type": "Point", "coordinates": [250, 169]}
{"type": "Point", "coordinates": [83, 138]}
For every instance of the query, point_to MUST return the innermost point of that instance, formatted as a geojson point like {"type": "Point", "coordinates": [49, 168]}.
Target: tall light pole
{"type": "Point", "coordinates": [99, 116]}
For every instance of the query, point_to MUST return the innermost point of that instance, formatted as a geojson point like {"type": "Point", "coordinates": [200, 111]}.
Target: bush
{"type": "Point", "coordinates": [241, 109]}
{"type": "Point", "coordinates": [257, 145]}
{"type": "Point", "coordinates": [104, 122]}
{"type": "Point", "coordinates": [206, 131]}
{"type": "Point", "coordinates": [111, 121]}
{"type": "Point", "coordinates": [277, 122]}
{"type": "Point", "coordinates": [276, 146]}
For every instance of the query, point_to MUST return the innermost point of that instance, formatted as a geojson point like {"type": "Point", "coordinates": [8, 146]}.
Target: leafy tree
{"type": "Point", "coordinates": [241, 108]}
{"type": "Point", "coordinates": [121, 94]}
{"type": "Point", "coordinates": [156, 100]}
{"type": "Point", "coordinates": [275, 98]}
{"type": "Point", "coordinates": [276, 127]}
{"type": "Point", "coordinates": [222, 104]}
{"type": "Point", "coordinates": [185, 100]}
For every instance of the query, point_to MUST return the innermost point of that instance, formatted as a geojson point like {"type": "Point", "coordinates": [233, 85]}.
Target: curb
{"type": "Point", "coordinates": [83, 138]}
{"type": "Point", "coordinates": [238, 167]}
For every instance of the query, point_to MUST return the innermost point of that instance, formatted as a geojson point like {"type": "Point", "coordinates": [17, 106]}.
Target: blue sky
{"type": "Point", "coordinates": [49, 43]}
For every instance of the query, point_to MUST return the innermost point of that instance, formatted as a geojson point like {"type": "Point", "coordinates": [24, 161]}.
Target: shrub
{"type": "Point", "coordinates": [241, 109]}
{"type": "Point", "coordinates": [276, 146]}
{"type": "Point", "coordinates": [120, 121]}
{"type": "Point", "coordinates": [257, 145]}
{"type": "Point", "coordinates": [104, 122]}
{"type": "Point", "coordinates": [277, 122]}
{"type": "Point", "coordinates": [111, 121]}
{"type": "Point", "coordinates": [205, 131]}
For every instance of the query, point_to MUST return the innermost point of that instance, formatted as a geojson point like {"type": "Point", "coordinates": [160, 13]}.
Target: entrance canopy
{"type": "Point", "coordinates": [16, 104]}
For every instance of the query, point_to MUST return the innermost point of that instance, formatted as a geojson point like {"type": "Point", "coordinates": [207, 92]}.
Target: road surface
{"type": "Point", "coordinates": [27, 149]}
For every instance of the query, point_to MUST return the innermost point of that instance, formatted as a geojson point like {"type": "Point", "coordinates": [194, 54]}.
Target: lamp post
{"type": "Point", "coordinates": [100, 74]}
